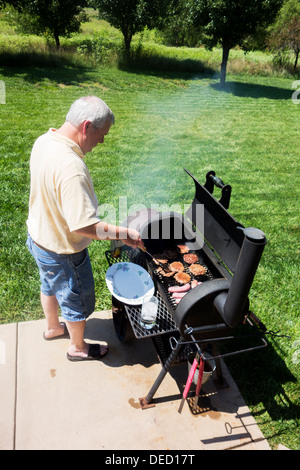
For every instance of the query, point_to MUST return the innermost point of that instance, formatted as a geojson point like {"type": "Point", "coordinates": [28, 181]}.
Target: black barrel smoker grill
{"type": "Point", "coordinates": [210, 312]}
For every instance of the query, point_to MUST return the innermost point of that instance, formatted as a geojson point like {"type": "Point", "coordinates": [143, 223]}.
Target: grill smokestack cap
{"type": "Point", "coordinates": [254, 234]}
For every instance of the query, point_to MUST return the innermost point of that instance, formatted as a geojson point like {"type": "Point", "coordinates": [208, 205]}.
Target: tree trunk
{"type": "Point", "coordinates": [127, 42]}
{"type": "Point", "coordinates": [296, 60]}
{"type": "Point", "coordinates": [57, 42]}
{"type": "Point", "coordinates": [226, 49]}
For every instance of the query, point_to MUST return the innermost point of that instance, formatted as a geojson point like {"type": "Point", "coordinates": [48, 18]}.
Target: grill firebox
{"type": "Point", "coordinates": [212, 310]}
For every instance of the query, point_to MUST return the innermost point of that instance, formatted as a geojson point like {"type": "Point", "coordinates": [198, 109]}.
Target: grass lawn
{"type": "Point", "coordinates": [248, 134]}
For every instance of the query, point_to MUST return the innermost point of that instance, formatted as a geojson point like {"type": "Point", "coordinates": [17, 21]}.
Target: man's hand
{"type": "Point", "coordinates": [133, 239]}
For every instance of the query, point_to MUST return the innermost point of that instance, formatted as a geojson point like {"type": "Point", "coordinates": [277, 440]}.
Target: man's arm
{"type": "Point", "coordinates": [105, 231]}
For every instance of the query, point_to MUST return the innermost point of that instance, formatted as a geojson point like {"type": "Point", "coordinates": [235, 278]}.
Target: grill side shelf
{"type": "Point", "coordinates": [165, 322]}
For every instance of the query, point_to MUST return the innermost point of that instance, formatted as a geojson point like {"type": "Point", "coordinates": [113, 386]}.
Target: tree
{"type": "Point", "coordinates": [57, 17]}
{"type": "Point", "coordinates": [285, 33]}
{"type": "Point", "coordinates": [229, 22]}
{"type": "Point", "coordinates": [14, 3]}
{"type": "Point", "coordinates": [177, 28]}
{"type": "Point", "coordinates": [131, 16]}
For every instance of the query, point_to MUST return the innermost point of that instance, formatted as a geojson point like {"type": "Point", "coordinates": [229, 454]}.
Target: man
{"type": "Point", "coordinates": [62, 221]}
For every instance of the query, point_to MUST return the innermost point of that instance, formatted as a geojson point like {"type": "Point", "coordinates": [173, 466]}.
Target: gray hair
{"type": "Point", "coordinates": [90, 108]}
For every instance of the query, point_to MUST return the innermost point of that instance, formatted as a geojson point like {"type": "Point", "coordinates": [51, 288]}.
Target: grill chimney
{"type": "Point", "coordinates": [232, 305]}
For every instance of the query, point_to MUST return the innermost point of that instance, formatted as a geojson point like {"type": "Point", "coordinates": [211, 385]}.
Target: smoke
{"type": "Point", "coordinates": [171, 137]}
{"type": "Point", "coordinates": [173, 128]}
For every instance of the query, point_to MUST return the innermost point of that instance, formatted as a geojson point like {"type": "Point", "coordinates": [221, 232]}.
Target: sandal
{"type": "Point", "coordinates": [64, 335]}
{"type": "Point", "coordinates": [95, 353]}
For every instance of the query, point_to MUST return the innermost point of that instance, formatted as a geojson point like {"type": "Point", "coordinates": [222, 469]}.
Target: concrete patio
{"type": "Point", "coordinates": [49, 403]}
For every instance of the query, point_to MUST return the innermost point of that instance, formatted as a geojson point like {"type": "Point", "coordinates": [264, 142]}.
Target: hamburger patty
{"type": "Point", "coordinates": [191, 258]}
{"type": "Point", "coordinates": [177, 266]}
{"type": "Point", "coordinates": [197, 269]}
{"type": "Point", "coordinates": [182, 278]}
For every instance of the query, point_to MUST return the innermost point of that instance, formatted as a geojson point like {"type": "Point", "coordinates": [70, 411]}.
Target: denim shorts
{"type": "Point", "coordinates": [69, 278]}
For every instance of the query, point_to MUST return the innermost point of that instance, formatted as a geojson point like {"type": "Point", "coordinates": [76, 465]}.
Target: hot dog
{"type": "Point", "coordinates": [178, 295]}
{"type": "Point", "coordinates": [183, 288]}
{"type": "Point", "coordinates": [195, 283]}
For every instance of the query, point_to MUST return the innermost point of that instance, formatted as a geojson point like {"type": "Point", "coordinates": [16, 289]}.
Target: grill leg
{"type": "Point", "coordinates": [220, 381]}
{"type": "Point", "coordinates": [146, 402]}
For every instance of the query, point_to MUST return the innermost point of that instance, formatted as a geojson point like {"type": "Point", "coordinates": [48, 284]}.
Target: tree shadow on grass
{"type": "Point", "coordinates": [164, 67]}
{"type": "Point", "coordinates": [62, 68]}
{"type": "Point", "coordinates": [35, 67]}
{"type": "Point", "coordinates": [251, 90]}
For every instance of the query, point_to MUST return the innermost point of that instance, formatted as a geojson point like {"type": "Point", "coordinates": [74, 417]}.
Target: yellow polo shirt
{"type": "Point", "coordinates": [62, 196]}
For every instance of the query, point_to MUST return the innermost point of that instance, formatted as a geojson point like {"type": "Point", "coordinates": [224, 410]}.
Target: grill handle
{"type": "Point", "coordinates": [211, 180]}
{"type": "Point", "coordinates": [217, 181]}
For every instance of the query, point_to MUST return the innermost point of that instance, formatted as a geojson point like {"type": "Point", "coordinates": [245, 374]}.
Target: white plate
{"type": "Point", "coordinates": [129, 283]}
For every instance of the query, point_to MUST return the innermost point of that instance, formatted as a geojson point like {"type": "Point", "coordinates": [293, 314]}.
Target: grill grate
{"type": "Point", "coordinates": [166, 282]}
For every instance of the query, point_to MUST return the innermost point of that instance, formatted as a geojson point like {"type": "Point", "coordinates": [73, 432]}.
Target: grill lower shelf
{"type": "Point", "coordinates": [163, 348]}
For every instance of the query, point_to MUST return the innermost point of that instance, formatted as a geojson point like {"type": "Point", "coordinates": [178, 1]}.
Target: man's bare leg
{"type": "Point", "coordinates": [78, 346]}
{"type": "Point", "coordinates": [51, 310]}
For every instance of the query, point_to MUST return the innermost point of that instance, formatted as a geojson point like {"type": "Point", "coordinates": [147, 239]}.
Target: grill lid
{"type": "Point", "coordinates": [221, 230]}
